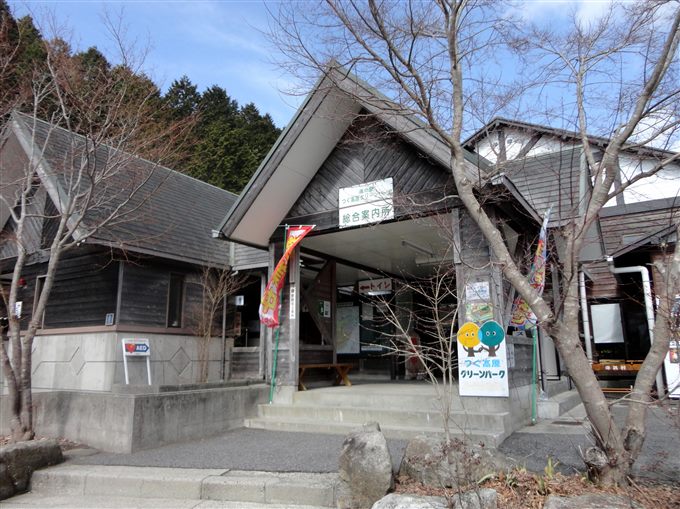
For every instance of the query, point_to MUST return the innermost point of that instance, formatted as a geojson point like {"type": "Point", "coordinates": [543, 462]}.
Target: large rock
{"type": "Point", "coordinates": [19, 460]}
{"type": "Point", "coordinates": [365, 469]}
{"type": "Point", "coordinates": [483, 498]}
{"type": "Point", "coordinates": [430, 462]}
{"type": "Point", "coordinates": [591, 501]}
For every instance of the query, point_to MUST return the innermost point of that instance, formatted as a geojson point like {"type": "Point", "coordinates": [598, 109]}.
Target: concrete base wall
{"type": "Point", "coordinates": [126, 423]}
{"type": "Point", "coordinates": [94, 361]}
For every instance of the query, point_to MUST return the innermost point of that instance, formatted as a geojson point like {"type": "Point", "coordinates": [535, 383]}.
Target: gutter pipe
{"type": "Point", "coordinates": [649, 306]}
{"type": "Point", "coordinates": [585, 316]}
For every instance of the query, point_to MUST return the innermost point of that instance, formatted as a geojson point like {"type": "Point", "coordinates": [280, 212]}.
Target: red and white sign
{"type": "Point", "coordinates": [375, 286]}
{"type": "Point", "coordinates": [136, 347]}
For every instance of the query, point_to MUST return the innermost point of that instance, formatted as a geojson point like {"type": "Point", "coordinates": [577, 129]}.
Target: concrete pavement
{"type": "Point", "coordinates": [259, 469]}
{"type": "Point", "coordinates": [71, 485]}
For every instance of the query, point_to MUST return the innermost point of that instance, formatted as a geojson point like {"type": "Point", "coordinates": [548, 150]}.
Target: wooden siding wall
{"type": "Point", "coordinates": [245, 362]}
{"type": "Point", "coordinates": [245, 257]}
{"type": "Point", "coordinates": [84, 290]}
{"type": "Point", "coordinates": [614, 228]}
{"type": "Point", "coordinates": [367, 152]}
{"type": "Point", "coordinates": [144, 299]}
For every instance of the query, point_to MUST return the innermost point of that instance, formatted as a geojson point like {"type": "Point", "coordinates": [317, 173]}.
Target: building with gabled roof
{"type": "Point", "coordinates": [139, 275]}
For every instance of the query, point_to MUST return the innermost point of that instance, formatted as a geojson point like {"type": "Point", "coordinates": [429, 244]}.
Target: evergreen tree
{"type": "Point", "coordinates": [182, 98]}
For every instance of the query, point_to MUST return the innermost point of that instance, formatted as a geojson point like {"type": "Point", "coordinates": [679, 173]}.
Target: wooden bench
{"type": "Point", "coordinates": [341, 372]}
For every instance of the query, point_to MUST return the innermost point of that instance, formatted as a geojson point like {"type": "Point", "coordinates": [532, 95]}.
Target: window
{"type": "Point", "coordinates": [175, 298]}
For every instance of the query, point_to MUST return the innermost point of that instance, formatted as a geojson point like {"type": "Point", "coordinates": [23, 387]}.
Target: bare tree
{"type": "Point", "coordinates": [217, 285]}
{"type": "Point", "coordinates": [84, 157]}
{"type": "Point", "coordinates": [442, 62]}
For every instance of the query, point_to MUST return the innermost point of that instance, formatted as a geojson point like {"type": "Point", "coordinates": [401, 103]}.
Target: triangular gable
{"type": "Point", "coordinates": [298, 154]}
{"type": "Point", "coordinates": [366, 153]}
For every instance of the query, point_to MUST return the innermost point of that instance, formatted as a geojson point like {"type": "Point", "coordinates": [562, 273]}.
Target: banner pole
{"type": "Point", "coordinates": [534, 382]}
{"type": "Point", "coordinates": [276, 341]}
{"type": "Point", "coordinates": [276, 355]}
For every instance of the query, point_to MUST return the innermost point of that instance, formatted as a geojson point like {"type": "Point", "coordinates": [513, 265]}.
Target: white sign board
{"type": "Point", "coordinates": [292, 308]}
{"type": "Point", "coordinates": [136, 347]}
{"type": "Point", "coordinates": [482, 360]}
{"type": "Point", "coordinates": [381, 286]}
{"type": "Point", "coordinates": [672, 367]}
{"type": "Point", "coordinates": [366, 203]}
{"type": "Point", "coordinates": [478, 290]}
{"type": "Point", "coordinates": [606, 320]}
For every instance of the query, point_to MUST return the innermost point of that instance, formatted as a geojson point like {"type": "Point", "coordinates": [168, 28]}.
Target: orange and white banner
{"type": "Point", "coordinates": [269, 307]}
{"type": "Point", "coordinates": [521, 312]}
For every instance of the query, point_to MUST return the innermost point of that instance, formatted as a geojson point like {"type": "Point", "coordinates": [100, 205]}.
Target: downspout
{"type": "Point", "coordinates": [649, 306]}
{"type": "Point", "coordinates": [585, 316]}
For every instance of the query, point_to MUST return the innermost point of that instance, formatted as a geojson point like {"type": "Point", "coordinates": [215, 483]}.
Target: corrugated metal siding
{"type": "Point", "coordinates": [366, 153]}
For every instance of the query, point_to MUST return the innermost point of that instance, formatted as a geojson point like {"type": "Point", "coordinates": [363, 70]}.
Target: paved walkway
{"type": "Point", "coordinates": [563, 438]}
{"type": "Point", "coordinates": [276, 451]}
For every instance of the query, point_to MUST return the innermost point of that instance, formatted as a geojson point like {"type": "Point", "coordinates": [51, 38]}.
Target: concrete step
{"type": "Point", "coordinates": [418, 396]}
{"type": "Point", "coordinates": [422, 420]}
{"type": "Point", "coordinates": [39, 500]}
{"type": "Point", "coordinates": [489, 437]}
{"type": "Point", "coordinates": [182, 484]}
{"type": "Point", "coordinates": [557, 405]}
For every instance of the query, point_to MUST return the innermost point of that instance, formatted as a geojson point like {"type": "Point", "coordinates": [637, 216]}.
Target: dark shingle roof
{"type": "Point", "coordinates": [171, 215]}
{"type": "Point", "coordinates": [548, 180]}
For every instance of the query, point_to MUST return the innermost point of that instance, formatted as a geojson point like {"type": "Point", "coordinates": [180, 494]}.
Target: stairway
{"type": "Point", "coordinates": [403, 410]}
{"type": "Point", "coordinates": [97, 486]}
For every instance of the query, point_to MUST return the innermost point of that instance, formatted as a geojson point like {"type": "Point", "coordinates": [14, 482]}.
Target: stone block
{"type": "Point", "coordinates": [20, 460]}
{"type": "Point", "coordinates": [591, 501]}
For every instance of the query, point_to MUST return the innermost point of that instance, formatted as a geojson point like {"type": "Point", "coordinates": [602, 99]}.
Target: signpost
{"type": "Point", "coordinates": [136, 347]}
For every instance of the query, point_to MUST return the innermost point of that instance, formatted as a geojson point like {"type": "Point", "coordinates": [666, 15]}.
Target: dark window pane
{"type": "Point", "coordinates": [175, 300]}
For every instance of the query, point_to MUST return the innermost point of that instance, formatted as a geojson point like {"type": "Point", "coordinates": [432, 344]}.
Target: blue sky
{"type": "Point", "coordinates": [212, 42]}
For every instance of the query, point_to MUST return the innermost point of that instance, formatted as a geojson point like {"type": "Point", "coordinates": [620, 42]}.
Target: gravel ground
{"type": "Point", "coordinates": [246, 449]}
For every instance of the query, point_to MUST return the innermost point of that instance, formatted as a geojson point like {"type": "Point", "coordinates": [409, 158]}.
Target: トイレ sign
{"type": "Point", "coordinates": [380, 286]}
{"type": "Point", "coordinates": [366, 203]}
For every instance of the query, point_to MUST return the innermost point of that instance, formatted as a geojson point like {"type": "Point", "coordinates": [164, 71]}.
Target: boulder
{"type": "Point", "coordinates": [483, 498]}
{"type": "Point", "coordinates": [429, 461]}
{"type": "Point", "coordinates": [365, 469]}
{"type": "Point", "coordinates": [591, 501]}
{"type": "Point", "coordinates": [19, 460]}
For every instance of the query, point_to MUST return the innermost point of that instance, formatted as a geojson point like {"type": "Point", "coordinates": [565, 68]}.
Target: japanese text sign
{"type": "Point", "coordinates": [366, 203]}
{"type": "Point", "coordinates": [482, 360]}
